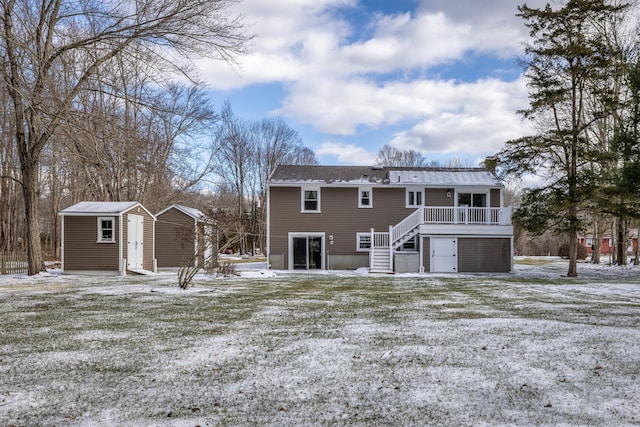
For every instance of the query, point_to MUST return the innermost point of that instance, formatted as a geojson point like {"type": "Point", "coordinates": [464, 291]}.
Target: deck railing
{"type": "Point", "coordinates": [465, 215]}
{"type": "Point", "coordinates": [379, 239]}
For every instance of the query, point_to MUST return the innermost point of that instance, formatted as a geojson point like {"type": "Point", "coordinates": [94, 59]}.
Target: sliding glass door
{"type": "Point", "coordinates": [306, 252]}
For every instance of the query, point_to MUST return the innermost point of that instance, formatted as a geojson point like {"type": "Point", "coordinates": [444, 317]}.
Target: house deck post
{"type": "Point", "coordinates": [390, 249]}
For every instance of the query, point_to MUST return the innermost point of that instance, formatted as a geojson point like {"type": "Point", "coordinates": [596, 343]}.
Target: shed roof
{"type": "Point", "coordinates": [192, 212]}
{"type": "Point", "coordinates": [363, 175]}
{"type": "Point", "coordinates": [98, 208]}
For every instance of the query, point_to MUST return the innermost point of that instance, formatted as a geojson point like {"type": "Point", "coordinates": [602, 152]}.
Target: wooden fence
{"type": "Point", "coordinates": [13, 263]}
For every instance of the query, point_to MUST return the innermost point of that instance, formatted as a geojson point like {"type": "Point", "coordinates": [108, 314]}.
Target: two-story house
{"type": "Point", "coordinates": [390, 219]}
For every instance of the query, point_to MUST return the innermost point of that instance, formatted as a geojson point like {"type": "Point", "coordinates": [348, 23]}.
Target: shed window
{"type": "Point", "coordinates": [106, 232]}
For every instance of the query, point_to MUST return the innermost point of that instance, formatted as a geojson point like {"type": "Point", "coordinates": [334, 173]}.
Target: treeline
{"type": "Point", "coordinates": [87, 110]}
{"type": "Point", "coordinates": [164, 145]}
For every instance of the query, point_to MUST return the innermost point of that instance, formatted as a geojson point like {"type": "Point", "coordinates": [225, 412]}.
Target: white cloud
{"type": "Point", "coordinates": [480, 117]}
{"type": "Point", "coordinates": [341, 82]}
{"type": "Point", "coordinates": [347, 153]}
{"type": "Point", "coordinates": [303, 39]}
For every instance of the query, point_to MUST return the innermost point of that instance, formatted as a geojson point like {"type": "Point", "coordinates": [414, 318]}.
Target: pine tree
{"type": "Point", "coordinates": [566, 63]}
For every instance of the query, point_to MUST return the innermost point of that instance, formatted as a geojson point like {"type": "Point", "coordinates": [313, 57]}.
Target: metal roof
{"type": "Point", "coordinates": [192, 212]}
{"type": "Point", "coordinates": [445, 177]}
{"type": "Point", "coordinates": [98, 208]}
{"type": "Point", "coordinates": [363, 175]}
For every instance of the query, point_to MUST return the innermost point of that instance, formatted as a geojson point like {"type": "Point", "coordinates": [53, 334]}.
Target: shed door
{"type": "Point", "coordinates": [443, 255]}
{"type": "Point", "coordinates": [135, 238]}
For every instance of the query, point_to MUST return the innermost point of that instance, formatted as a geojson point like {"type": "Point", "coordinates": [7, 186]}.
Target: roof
{"type": "Point", "coordinates": [101, 208]}
{"type": "Point", "coordinates": [192, 212]}
{"type": "Point", "coordinates": [363, 175]}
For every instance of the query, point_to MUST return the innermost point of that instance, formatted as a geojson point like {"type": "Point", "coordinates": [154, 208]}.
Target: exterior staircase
{"type": "Point", "coordinates": [383, 244]}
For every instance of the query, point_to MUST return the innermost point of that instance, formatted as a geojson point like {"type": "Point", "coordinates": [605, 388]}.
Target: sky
{"type": "Point", "coordinates": [440, 77]}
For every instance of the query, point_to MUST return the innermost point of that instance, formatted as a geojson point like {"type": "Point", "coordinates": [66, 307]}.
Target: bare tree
{"type": "Point", "coordinates": [11, 220]}
{"type": "Point", "coordinates": [247, 152]}
{"type": "Point", "coordinates": [41, 40]}
{"type": "Point", "coordinates": [391, 156]}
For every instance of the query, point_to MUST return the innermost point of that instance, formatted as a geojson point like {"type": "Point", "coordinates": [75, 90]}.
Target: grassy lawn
{"type": "Point", "coordinates": [531, 348]}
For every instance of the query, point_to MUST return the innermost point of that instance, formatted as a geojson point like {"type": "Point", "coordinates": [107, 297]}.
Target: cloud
{"type": "Point", "coordinates": [342, 77]}
{"type": "Point", "coordinates": [443, 109]}
{"type": "Point", "coordinates": [347, 153]}
{"type": "Point", "coordinates": [303, 40]}
{"type": "Point", "coordinates": [479, 118]}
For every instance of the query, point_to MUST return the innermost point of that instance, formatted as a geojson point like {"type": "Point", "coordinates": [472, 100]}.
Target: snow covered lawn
{"type": "Point", "coordinates": [277, 348]}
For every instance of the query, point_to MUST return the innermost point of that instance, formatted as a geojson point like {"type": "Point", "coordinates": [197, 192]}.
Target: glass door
{"type": "Point", "coordinates": [307, 252]}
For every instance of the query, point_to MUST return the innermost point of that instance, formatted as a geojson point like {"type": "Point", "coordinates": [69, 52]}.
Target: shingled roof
{"type": "Point", "coordinates": [363, 175]}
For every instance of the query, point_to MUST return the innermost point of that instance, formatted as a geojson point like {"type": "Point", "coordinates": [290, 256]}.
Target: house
{"type": "Point", "coordinates": [389, 219]}
{"type": "Point", "coordinates": [181, 237]}
{"type": "Point", "coordinates": [107, 238]}
{"type": "Point", "coordinates": [608, 242]}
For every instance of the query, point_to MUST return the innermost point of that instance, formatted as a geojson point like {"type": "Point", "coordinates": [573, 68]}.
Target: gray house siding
{"type": "Point", "coordinates": [486, 255]}
{"type": "Point", "coordinates": [495, 198]}
{"type": "Point", "coordinates": [438, 197]}
{"type": "Point", "coordinates": [426, 253]}
{"type": "Point", "coordinates": [175, 239]}
{"type": "Point", "coordinates": [482, 239]}
{"type": "Point", "coordinates": [340, 218]}
{"type": "Point", "coordinates": [81, 250]}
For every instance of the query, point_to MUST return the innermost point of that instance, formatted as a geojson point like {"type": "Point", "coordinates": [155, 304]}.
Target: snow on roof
{"type": "Point", "coordinates": [192, 212]}
{"type": "Point", "coordinates": [84, 208]}
{"type": "Point", "coordinates": [359, 175]}
{"type": "Point", "coordinates": [444, 177]}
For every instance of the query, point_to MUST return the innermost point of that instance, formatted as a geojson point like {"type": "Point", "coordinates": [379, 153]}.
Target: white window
{"type": "Point", "coordinates": [310, 199]}
{"type": "Point", "coordinates": [106, 230]}
{"type": "Point", "coordinates": [363, 242]}
{"type": "Point", "coordinates": [410, 245]}
{"type": "Point", "coordinates": [589, 242]}
{"type": "Point", "coordinates": [414, 198]}
{"type": "Point", "coordinates": [365, 197]}
{"type": "Point", "coordinates": [472, 200]}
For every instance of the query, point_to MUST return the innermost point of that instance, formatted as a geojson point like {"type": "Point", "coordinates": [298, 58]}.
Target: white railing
{"type": "Point", "coordinates": [431, 215]}
{"type": "Point", "coordinates": [380, 255]}
{"type": "Point", "coordinates": [379, 239]}
{"type": "Point", "coordinates": [451, 215]}
{"type": "Point", "coordinates": [406, 225]}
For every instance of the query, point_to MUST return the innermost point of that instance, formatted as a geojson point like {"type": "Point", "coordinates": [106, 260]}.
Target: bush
{"type": "Point", "coordinates": [226, 269]}
{"type": "Point", "coordinates": [563, 251]}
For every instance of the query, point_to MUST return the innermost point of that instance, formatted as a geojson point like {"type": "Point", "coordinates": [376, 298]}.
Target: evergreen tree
{"type": "Point", "coordinates": [567, 63]}
{"type": "Point", "coordinates": [621, 191]}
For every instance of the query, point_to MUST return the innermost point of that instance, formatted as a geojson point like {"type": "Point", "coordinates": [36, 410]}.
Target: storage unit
{"type": "Point", "coordinates": [107, 238]}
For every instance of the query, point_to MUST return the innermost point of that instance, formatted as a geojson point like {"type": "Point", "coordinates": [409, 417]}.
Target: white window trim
{"type": "Point", "coordinates": [113, 229]}
{"type": "Point", "coordinates": [360, 191]}
{"type": "Point", "coordinates": [290, 237]}
{"type": "Point", "coordinates": [358, 236]}
{"type": "Point", "coordinates": [302, 190]}
{"type": "Point", "coordinates": [417, 191]}
{"type": "Point", "coordinates": [472, 192]}
{"type": "Point", "coordinates": [415, 245]}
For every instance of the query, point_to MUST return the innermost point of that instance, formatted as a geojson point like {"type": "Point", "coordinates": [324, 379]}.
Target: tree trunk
{"type": "Point", "coordinates": [636, 250]}
{"type": "Point", "coordinates": [32, 213]}
{"type": "Point", "coordinates": [597, 243]}
{"type": "Point", "coordinates": [573, 254]}
{"type": "Point", "coordinates": [621, 242]}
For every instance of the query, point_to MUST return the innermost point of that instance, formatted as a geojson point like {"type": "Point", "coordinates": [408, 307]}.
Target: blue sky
{"type": "Point", "coordinates": [436, 76]}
